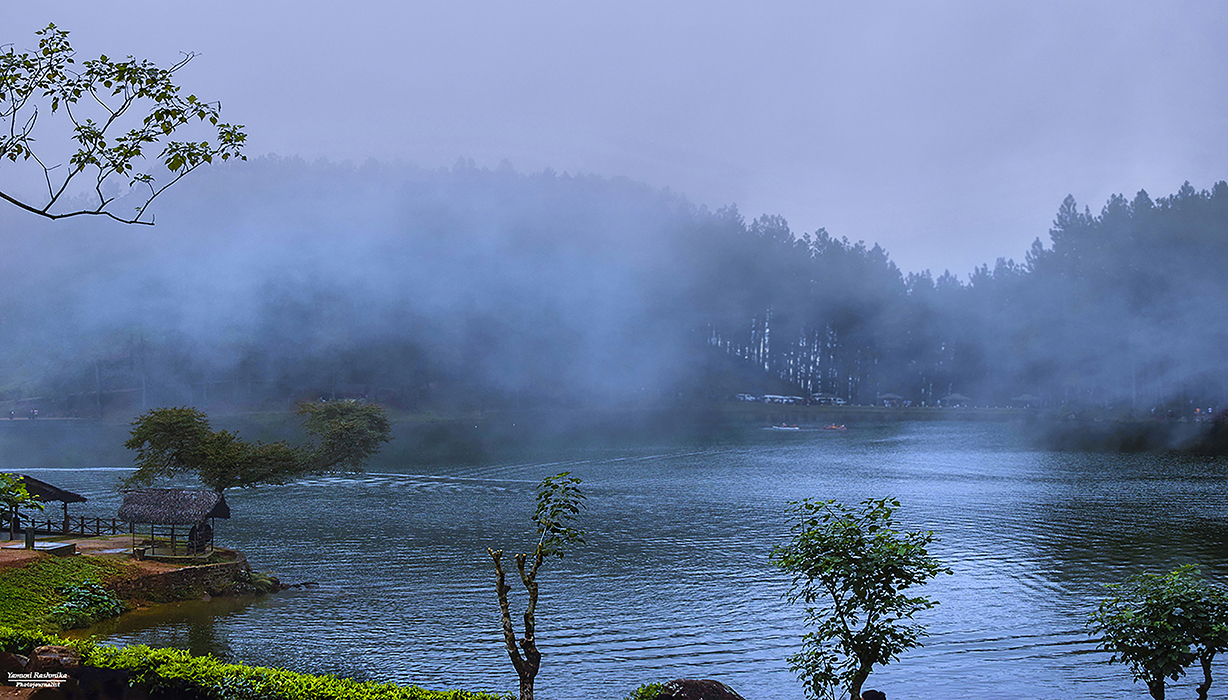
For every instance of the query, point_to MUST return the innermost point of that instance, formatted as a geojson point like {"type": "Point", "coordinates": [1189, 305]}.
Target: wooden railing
{"type": "Point", "coordinates": [80, 526]}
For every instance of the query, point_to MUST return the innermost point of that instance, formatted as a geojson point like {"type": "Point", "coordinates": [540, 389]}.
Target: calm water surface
{"type": "Point", "coordinates": [675, 581]}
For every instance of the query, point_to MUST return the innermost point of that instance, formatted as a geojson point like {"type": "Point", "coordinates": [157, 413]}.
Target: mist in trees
{"type": "Point", "coordinates": [284, 279]}
{"type": "Point", "coordinates": [281, 280]}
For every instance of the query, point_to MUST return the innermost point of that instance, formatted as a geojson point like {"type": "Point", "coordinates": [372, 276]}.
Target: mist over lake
{"type": "Point", "coordinates": [472, 289]}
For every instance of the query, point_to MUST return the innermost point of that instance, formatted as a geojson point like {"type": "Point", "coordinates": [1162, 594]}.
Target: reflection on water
{"type": "Point", "coordinates": [192, 625]}
{"type": "Point", "coordinates": [676, 580]}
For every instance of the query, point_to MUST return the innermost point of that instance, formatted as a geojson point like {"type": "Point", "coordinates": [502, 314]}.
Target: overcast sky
{"type": "Point", "coordinates": [947, 131]}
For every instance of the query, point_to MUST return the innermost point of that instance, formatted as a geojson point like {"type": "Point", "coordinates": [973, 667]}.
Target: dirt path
{"type": "Point", "coordinates": [114, 547]}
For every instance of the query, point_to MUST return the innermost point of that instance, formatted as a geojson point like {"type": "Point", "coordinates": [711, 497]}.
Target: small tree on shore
{"type": "Point", "coordinates": [559, 501]}
{"type": "Point", "coordinates": [1160, 624]}
{"type": "Point", "coordinates": [14, 495]}
{"type": "Point", "coordinates": [851, 569]}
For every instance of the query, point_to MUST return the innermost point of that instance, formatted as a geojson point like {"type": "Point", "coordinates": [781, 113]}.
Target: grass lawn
{"type": "Point", "coordinates": [28, 592]}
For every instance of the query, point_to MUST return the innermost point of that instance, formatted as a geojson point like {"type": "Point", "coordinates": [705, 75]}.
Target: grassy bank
{"type": "Point", "coordinates": [29, 592]}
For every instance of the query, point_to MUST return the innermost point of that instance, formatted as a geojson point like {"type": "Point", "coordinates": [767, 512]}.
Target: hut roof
{"type": "Point", "coordinates": [46, 492]}
{"type": "Point", "coordinates": [172, 506]}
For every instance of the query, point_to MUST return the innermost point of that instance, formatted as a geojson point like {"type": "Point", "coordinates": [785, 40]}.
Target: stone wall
{"type": "Point", "coordinates": [185, 583]}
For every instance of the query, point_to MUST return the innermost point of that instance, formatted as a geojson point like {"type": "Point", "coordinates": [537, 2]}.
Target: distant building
{"type": "Point", "coordinates": [826, 400]}
{"type": "Point", "coordinates": [1025, 401]}
{"type": "Point", "coordinates": [954, 401]}
{"type": "Point", "coordinates": [890, 400]}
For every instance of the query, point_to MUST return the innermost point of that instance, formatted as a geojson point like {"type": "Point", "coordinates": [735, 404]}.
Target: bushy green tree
{"type": "Point", "coordinates": [118, 112]}
{"type": "Point", "coordinates": [559, 501]}
{"type": "Point", "coordinates": [172, 441]}
{"type": "Point", "coordinates": [347, 433]}
{"type": "Point", "coordinates": [852, 569]}
{"type": "Point", "coordinates": [1160, 624]}
{"type": "Point", "coordinates": [13, 493]}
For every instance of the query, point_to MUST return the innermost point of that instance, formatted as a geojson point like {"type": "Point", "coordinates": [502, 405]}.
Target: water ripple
{"type": "Point", "coordinates": [676, 579]}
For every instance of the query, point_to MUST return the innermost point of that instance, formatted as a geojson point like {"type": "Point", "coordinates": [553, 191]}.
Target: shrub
{"type": "Point", "coordinates": [24, 641]}
{"type": "Point", "coordinates": [258, 582]}
{"type": "Point", "coordinates": [174, 673]}
{"type": "Point", "coordinates": [84, 604]}
{"type": "Point", "coordinates": [1160, 624]}
{"type": "Point", "coordinates": [647, 691]}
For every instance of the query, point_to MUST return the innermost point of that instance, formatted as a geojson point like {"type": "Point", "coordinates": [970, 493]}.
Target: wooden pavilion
{"type": "Point", "coordinates": [180, 521]}
{"type": "Point", "coordinates": [45, 493]}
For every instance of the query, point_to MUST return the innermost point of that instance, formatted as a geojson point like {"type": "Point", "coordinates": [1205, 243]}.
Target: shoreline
{"type": "Point", "coordinates": [143, 583]}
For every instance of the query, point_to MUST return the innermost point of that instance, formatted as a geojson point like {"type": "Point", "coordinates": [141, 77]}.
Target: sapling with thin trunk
{"type": "Point", "coordinates": [559, 501]}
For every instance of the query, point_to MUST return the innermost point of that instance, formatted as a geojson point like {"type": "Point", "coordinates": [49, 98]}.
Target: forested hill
{"type": "Point", "coordinates": [279, 280]}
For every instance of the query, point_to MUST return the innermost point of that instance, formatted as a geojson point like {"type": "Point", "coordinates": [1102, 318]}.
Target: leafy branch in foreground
{"type": "Point", "coordinates": [101, 102]}
{"type": "Point", "coordinates": [851, 569]}
{"type": "Point", "coordinates": [559, 501]}
{"type": "Point", "coordinates": [14, 495]}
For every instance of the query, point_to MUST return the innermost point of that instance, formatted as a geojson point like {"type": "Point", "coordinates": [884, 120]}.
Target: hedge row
{"type": "Point", "coordinates": [176, 673]}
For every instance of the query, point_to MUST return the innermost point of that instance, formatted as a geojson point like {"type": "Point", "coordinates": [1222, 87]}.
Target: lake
{"type": "Point", "coordinates": [675, 580]}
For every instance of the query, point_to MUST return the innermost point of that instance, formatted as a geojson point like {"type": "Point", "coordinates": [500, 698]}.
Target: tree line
{"type": "Point", "coordinates": [1117, 310]}
{"type": "Point", "coordinates": [489, 288]}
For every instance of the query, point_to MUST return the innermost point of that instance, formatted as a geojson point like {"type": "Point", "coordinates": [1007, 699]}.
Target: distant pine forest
{"type": "Point", "coordinates": [468, 289]}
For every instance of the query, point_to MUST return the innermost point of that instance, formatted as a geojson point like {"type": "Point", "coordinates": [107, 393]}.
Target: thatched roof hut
{"type": "Point", "coordinates": [172, 506]}
{"type": "Point", "coordinates": [46, 492]}
{"type": "Point", "coordinates": [164, 509]}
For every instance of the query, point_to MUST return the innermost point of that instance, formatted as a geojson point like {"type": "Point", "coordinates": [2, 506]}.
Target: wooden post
{"type": "Point", "coordinates": [66, 525]}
